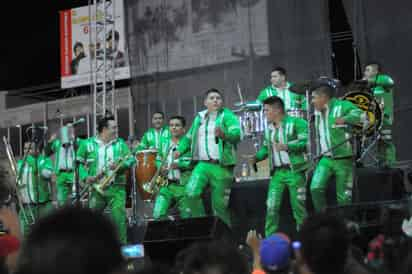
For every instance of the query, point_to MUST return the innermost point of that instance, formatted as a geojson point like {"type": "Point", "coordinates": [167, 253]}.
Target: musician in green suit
{"type": "Point", "coordinates": [212, 141]}
{"type": "Point", "coordinates": [34, 173]}
{"type": "Point", "coordinates": [154, 136]}
{"type": "Point", "coordinates": [99, 157]}
{"type": "Point", "coordinates": [177, 172]}
{"type": "Point", "coordinates": [382, 88]}
{"type": "Point", "coordinates": [285, 142]}
{"type": "Point", "coordinates": [280, 87]}
{"type": "Point", "coordinates": [333, 118]}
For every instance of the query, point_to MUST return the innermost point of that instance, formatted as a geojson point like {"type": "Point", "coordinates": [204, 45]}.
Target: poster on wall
{"type": "Point", "coordinates": [77, 52]}
{"type": "Point", "coordinates": [183, 34]}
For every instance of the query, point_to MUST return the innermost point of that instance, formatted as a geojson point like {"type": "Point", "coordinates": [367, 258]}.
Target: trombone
{"type": "Point", "coordinates": [29, 215]}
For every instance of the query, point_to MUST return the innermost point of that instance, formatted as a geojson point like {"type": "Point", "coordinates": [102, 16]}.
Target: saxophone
{"type": "Point", "coordinates": [107, 180]}
{"type": "Point", "coordinates": [158, 180]}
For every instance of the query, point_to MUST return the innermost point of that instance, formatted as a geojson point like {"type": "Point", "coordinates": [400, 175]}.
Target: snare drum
{"type": "Point", "coordinates": [145, 170]}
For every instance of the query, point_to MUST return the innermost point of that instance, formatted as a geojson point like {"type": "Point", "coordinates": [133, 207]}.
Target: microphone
{"type": "Point", "coordinates": [216, 140]}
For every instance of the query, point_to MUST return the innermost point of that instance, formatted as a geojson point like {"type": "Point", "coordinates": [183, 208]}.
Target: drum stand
{"type": "Point", "coordinates": [368, 150]}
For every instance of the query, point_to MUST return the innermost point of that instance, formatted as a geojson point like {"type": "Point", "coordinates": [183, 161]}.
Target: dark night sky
{"type": "Point", "coordinates": [30, 42]}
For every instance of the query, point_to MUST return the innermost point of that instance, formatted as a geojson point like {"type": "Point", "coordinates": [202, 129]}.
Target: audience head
{"type": "Point", "coordinates": [215, 257]}
{"type": "Point", "coordinates": [71, 240]}
{"type": "Point", "coordinates": [275, 253]}
{"type": "Point", "coordinates": [324, 244]}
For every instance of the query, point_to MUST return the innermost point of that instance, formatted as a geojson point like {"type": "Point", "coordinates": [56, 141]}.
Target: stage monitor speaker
{"type": "Point", "coordinates": [164, 239]}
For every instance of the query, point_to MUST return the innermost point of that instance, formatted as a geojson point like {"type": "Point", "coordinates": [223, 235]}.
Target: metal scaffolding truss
{"type": "Point", "coordinates": [101, 36]}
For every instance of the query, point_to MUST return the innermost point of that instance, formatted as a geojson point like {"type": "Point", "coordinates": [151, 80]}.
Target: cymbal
{"type": "Point", "coordinates": [301, 87]}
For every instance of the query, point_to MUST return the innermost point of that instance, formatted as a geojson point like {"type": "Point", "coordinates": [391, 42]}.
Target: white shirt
{"type": "Point", "coordinates": [66, 157]}
{"type": "Point", "coordinates": [174, 174]}
{"type": "Point", "coordinates": [279, 157]}
{"type": "Point", "coordinates": [207, 147]}
{"type": "Point", "coordinates": [324, 135]}
{"type": "Point", "coordinates": [105, 157]}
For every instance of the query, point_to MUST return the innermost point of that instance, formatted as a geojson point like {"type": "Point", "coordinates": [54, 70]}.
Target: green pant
{"type": "Point", "coordinates": [38, 211]}
{"type": "Point", "coordinates": [176, 194]}
{"type": "Point", "coordinates": [64, 185]}
{"type": "Point", "coordinates": [343, 171]}
{"type": "Point", "coordinates": [115, 199]}
{"type": "Point", "coordinates": [295, 181]}
{"type": "Point", "coordinates": [220, 179]}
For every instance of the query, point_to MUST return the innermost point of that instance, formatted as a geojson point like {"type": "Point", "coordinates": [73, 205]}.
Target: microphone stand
{"type": "Point", "coordinates": [74, 144]}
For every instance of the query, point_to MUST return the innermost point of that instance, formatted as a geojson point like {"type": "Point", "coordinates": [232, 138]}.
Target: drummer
{"type": "Point", "coordinates": [177, 172]}
{"type": "Point", "coordinates": [382, 88]}
{"type": "Point", "coordinates": [280, 87]}
{"type": "Point", "coordinates": [154, 136]}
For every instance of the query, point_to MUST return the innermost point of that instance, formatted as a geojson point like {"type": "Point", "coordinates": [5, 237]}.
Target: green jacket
{"type": "Point", "coordinates": [55, 148]}
{"type": "Point", "coordinates": [36, 190]}
{"type": "Point", "coordinates": [229, 123]}
{"type": "Point", "coordinates": [88, 158]}
{"type": "Point", "coordinates": [295, 136]}
{"type": "Point", "coordinates": [290, 99]}
{"type": "Point", "coordinates": [152, 139]}
{"type": "Point", "coordinates": [184, 161]}
{"type": "Point", "coordinates": [337, 134]}
{"type": "Point", "coordinates": [384, 92]}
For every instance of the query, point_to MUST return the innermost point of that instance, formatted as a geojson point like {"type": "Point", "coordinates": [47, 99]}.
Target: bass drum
{"type": "Point", "coordinates": [366, 102]}
{"type": "Point", "coordinates": [145, 170]}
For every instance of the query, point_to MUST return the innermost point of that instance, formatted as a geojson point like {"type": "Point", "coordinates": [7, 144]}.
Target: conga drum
{"type": "Point", "coordinates": [145, 170]}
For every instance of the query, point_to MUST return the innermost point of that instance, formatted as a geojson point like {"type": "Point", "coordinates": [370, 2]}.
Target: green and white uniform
{"type": "Point", "coordinates": [95, 158]}
{"type": "Point", "coordinates": [153, 138]}
{"type": "Point", "coordinates": [384, 93]}
{"type": "Point", "coordinates": [63, 167]}
{"type": "Point", "coordinates": [34, 191]}
{"type": "Point", "coordinates": [339, 160]}
{"type": "Point", "coordinates": [174, 192]}
{"type": "Point", "coordinates": [214, 161]}
{"type": "Point", "coordinates": [289, 169]}
{"type": "Point", "coordinates": [291, 99]}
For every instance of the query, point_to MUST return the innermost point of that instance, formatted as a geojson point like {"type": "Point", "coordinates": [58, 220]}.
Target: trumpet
{"type": "Point", "coordinates": [29, 215]}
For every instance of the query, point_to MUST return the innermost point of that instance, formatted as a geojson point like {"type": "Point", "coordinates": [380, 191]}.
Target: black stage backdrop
{"type": "Point", "coordinates": [298, 39]}
{"type": "Point", "coordinates": [382, 31]}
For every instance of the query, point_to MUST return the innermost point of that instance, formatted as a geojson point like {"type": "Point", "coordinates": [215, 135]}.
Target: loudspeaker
{"type": "Point", "coordinates": [164, 239]}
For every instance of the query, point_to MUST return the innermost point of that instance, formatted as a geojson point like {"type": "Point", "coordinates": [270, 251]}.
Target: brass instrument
{"type": "Point", "coordinates": [158, 180]}
{"type": "Point", "coordinates": [29, 215]}
{"type": "Point", "coordinates": [105, 181]}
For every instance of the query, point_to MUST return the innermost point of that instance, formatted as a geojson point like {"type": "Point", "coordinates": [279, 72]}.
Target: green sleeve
{"type": "Point", "coordinates": [45, 167]}
{"type": "Point", "coordinates": [262, 95]}
{"type": "Point", "coordinates": [232, 128]}
{"type": "Point", "coordinates": [51, 147]}
{"type": "Point", "coordinates": [186, 141]}
{"type": "Point", "coordinates": [185, 162]}
{"type": "Point", "coordinates": [300, 143]}
{"type": "Point", "coordinates": [159, 156]}
{"type": "Point", "coordinates": [144, 143]}
{"type": "Point", "coordinates": [81, 156]}
{"type": "Point", "coordinates": [352, 114]}
{"type": "Point", "coordinates": [125, 152]}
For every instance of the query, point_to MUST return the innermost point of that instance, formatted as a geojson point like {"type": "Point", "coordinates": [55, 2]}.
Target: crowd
{"type": "Point", "coordinates": [79, 240]}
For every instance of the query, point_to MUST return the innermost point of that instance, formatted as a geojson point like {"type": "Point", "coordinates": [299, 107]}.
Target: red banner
{"type": "Point", "coordinates": [65, 42]}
